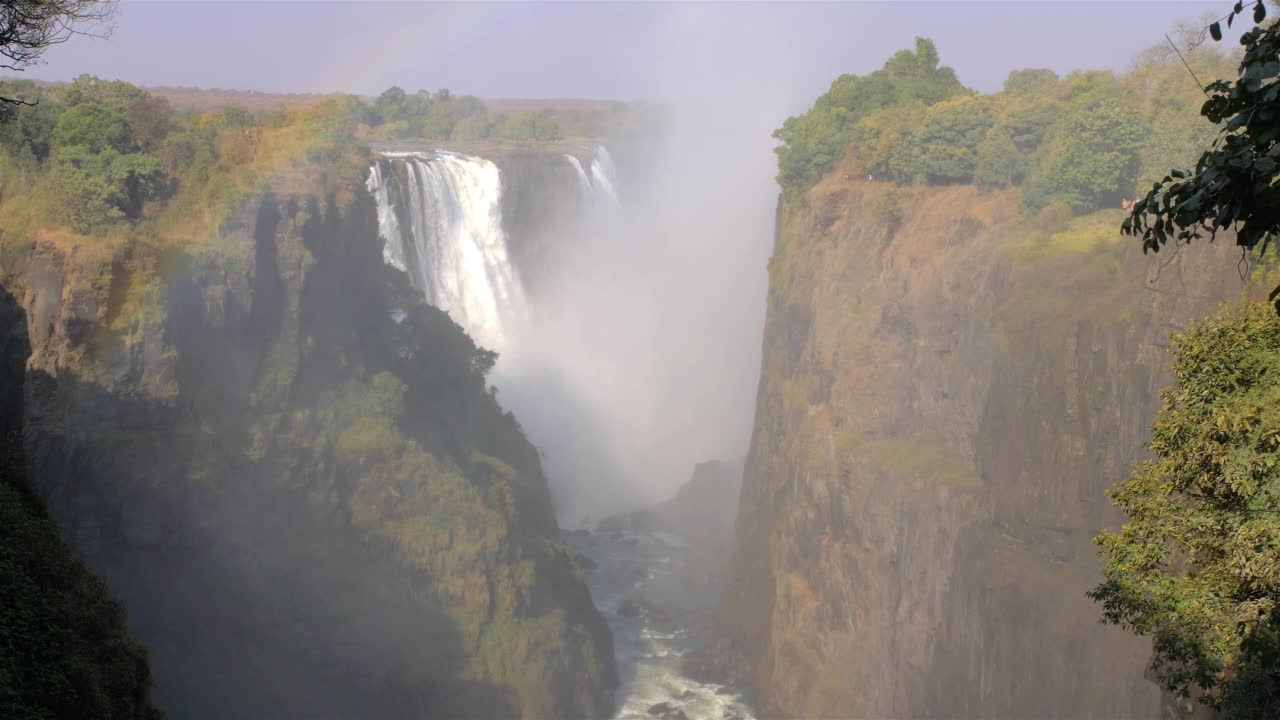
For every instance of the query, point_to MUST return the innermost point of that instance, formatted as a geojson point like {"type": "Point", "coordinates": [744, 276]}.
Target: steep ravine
{"type": "Point", "coordinates": [308, 502]}
{"type": "Point", "coordinates": [946, 392]}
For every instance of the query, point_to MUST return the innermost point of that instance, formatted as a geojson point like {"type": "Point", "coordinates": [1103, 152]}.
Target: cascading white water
{"type": "Point", "coordinates": [584, 183]}
{"type": "Point", "coordinates": [602, 181]}
{"type": "Point", "coordinates": [604, 173]}
{"type": "Point", "coordinates": [440, 219]}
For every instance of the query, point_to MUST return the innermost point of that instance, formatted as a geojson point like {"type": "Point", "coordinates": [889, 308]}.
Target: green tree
{"type": "Point", "coordinates": [150, 119]}
{"type": "Point", "coordinates": [27, 131]}
{"type": "Point", "coordinates": [1197, 564]}
{"type": "Point", "coordinates": [1031, 79]}
{"type": "Point", "coordinates": [813, 142]}
{"type": "Point", "coordinates": [526, 126]}
{"type": "Point", "coordinates": [1029, 120]}
{"type": "Point", "coordinates": [1166, 92]}
{"type": "Point", "coordinates": [947, 142]}
{"type": "Point", "coordinates": [884, 140]}
{"type": "Point", "coordinates": [98, 189]}
{"type": "Point", "coordinates": [115, 95]}
{"type": "Point", "coordinates": [93, 126]}
{"type": "Point", "coordinates": [999, 161]}
{"type": "Point", "coordinates": [390, 105]}
{"type": "Point", "coordinates": [471, 127]}
{"type": "Point", "coordinates": [235, 116]}
{"type": "Point", "coordinates": [1234, 182]}
{"type": "Point", "coordinates": [1097, 161]}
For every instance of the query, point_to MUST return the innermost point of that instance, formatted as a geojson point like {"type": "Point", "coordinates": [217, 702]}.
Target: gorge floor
{"type": "Point", "coordinates": [652, 606]}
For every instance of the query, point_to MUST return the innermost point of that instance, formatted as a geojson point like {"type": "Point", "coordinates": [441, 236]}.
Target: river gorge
{"type": "Point", "coordinates": [908, 405]}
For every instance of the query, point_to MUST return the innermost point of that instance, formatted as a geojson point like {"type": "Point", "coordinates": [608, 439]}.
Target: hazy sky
{"type": "Point", "coordinates": [585, 50]}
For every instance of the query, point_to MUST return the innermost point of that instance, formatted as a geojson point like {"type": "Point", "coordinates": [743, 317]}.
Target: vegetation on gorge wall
{"type": "Point", "coordinates": [64, 648]}
{"type": "Point", "coordinates": [1207, 503]}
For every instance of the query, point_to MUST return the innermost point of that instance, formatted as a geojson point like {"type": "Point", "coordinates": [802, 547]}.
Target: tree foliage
{"type": "Point", "coordinates": [1234, 183]}
{"type": "Point", "coordinates": [998, 161]}
{"type": "Point", "coordinates": [1077, 140]}
{"type": "Point", "coordinates": [100, 168]}
{"type": "Point", "coordinates": [445, 116]}
{"type": "Point", "coordinates": [947, 142]}
{"type": "Point", "coordinates": [64, 648]}
{"type": "Point", "coordinates": [813, 142]}
{"type": "Point", "coordinates": [1197, 564]}
{"type": "Point", "coordinates": [525, 126]}
{"type": "Point", "coordinates": [93, 127]}
{"type": "Point", "coordinates": [1097, 165]}
{"type": "Point", "coordinates": [1031, 79]}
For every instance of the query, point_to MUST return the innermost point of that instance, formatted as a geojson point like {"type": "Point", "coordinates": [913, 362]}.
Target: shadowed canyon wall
{"type": "Point", "coordinates": [292, 473]}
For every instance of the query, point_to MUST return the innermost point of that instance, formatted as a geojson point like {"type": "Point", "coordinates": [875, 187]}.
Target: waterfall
{"type": "Point", "coordinates": [604, 174]}
{"type": "Point", "coordinates": [584, 183]}
{"type": "Point", "coordinates": [602, 182]}
{"type": "Point", "coordinates": [440, 220]}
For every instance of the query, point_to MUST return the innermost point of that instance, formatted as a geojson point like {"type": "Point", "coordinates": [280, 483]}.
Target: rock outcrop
{"type": "Point", "coordinates": [947, 390]}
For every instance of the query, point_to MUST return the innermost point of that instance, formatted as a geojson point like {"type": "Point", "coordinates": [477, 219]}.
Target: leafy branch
{"type": "Point", "coordinates": [1234, 184]}
{"type": "Point", "coordinates": [29, 27]}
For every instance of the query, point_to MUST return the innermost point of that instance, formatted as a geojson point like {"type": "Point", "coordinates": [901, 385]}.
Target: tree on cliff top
{"type": "Point", "coordinates": [813, 142]}
{"type": "Point", "coordinates": [1236, 183]}
{"type": "Point", "coordinates": [1197, 565]}
{"type": "Point", "coordinates": [29, 27]}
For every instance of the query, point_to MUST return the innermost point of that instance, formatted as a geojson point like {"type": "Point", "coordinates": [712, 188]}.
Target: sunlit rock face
{"type": "Point", "coordinates": [944, 400]}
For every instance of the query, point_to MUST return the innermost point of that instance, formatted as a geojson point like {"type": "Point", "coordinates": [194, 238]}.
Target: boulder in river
{"type": "Point", "coordinates": [661, 709]}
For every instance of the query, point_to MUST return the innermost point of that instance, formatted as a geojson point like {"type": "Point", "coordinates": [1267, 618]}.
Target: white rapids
{"type": "Point", "coordinates": [651, 646]}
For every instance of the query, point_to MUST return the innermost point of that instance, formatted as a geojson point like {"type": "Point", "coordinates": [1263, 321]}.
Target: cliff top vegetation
{"type": "Point", "coordinates": [108, 159]}
{"type": "Point", "coordinates": [1087, 140]}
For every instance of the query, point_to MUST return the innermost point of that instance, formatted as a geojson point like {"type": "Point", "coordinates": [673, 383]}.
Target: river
{"type": "Point", "coordinates": [640, 584]}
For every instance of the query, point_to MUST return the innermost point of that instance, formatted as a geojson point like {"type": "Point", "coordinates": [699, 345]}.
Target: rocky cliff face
{"type": "Point", "coordinates": [64, 649]}
{"type": "Point", "coordinates": [542, 206]}
{"type": "Point", "coordinates": [291, 472]}
{"type": "Point", "coordinates": [946, 393]}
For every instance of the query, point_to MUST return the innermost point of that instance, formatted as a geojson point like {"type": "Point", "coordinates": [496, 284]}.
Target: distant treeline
{"type": "Point", "coordinates": [1087, 140]}
{"type": "Point", "coordinates": [424, 115]}
{"type": "Point", "coordinates": [94, 154]}
{"type": "Point", "coordinates": [445, 116]}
